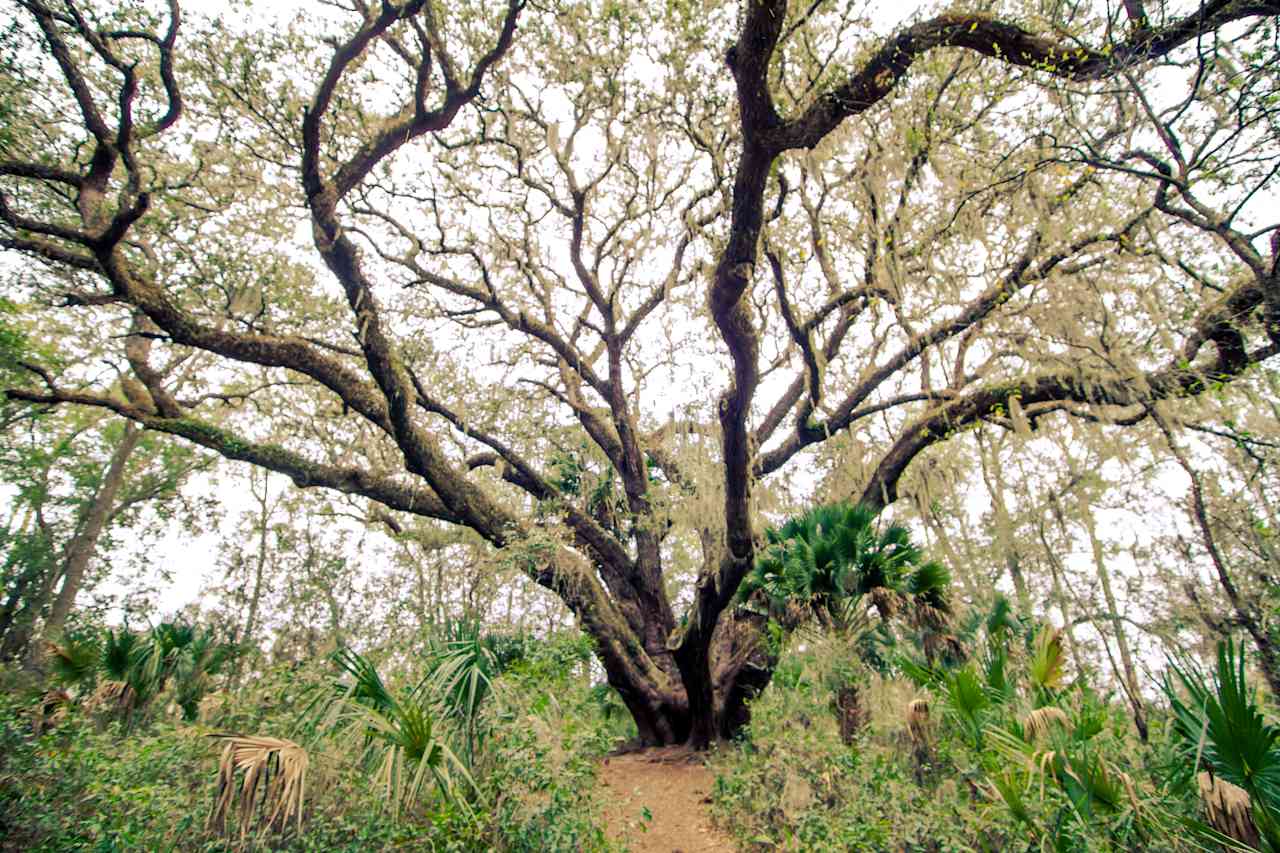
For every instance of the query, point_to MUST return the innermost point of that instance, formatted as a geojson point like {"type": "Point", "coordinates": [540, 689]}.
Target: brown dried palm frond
{"type": "Point", "coordinates": [1228, 809]}
{"type": "Point", "coordinates": [51, 711]}
{"type": "Point", "coordinates": [923, 758]}
{"type": "Point", "coordinates": [851, 711]}
{"type": "Point", "coordinates": [112, 696]}
{"type": "Point", "coordinates": [931, 618]}
{"type": "Point", "coordinates": [918, 721]}
{"type": "Point", "coordinates": [944, 646]}
{"type": "Point", "coordinates": [885, 600]}
{"type": "Point", "coordinates": [1037, 723]}
{"type": "Point", "coordinates": [272, 789]}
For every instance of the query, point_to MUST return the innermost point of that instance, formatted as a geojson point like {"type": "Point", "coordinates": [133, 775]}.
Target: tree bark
{"type": "Point", "coordinates": [1268, 653]}
{"type": "Point", "coordinates": [994, 479]}
{"type": "Point", "coordinates": [1129, 675]}
{"type": "Point", "coordinates": [80, 551]}
{"type": "Point", "coordinates": [1059, 594]}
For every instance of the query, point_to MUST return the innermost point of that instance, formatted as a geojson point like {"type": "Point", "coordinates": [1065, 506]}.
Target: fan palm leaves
{"type": "Point", "coordinates": [120, 652]}
{"type": "Point", "coordinates": [394, 733]}
{"type": "Point", "coordinates": [203, 658]}
{"type": "Point", "coordinates": [130, 668]}
{"type": "Point", "coordinates": [123, 686]}
{"type": "Point", "coordinates": [404, 752]}
{"type": "Point", "coordinates": [1001, 622]}
{"type": "Point", "coordinates": [967, 700]}
{"type": "Point", "coordinates": [365, 686]}
{"type": "Point", "coordinates": [460, 674]}
{"type": "Point", "coordinates": [1045, 752]}
{"type": "Point", "coordinates": [1220, 727]}
{"type": "Point", "coordinates": [75, 658]}
{"type": "Point", "coordinates": [832, 559]}
{"type": "Point", "coordinates": [1047, 666]}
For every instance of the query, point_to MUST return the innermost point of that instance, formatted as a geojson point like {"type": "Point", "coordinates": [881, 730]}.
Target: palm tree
{"type": "Point", "coordinates": [833, 565]}
{"type": "Point", "coordinates": [832, 559]}
{"type": "Point", "coordinates": [203, 658]}
{"type": "Point", "coordinates": [74, 660]}
{"type": "Point", "coordinates": [130, 669]}
{"type": "Point", "coordinates": [461, 669]}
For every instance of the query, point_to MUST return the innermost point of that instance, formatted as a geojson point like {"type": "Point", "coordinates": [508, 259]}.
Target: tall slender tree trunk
{"type": "Point", "coordinates": [255, 597]}
{"type": "Point", "coordinates": [1130, 675]}
{"type": "Point", "coordinates": [994, 479]}
{"type": "Point", "coordinates": [1245, 611]}
{"type": "Point", "coordinates": [15, 627]}
{"type": "Point", "coordinates": [1056, 572]}
{"type": "Point", "coordinates": [264, 515]}
{"type": "Point", "coordinates": [18, 587]}
{"type": "Point", "coordinates": [82, 547]}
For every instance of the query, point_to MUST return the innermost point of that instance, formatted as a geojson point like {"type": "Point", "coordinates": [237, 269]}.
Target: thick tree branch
{"type": "Point", "coordinates": [950, 418]}
{"type": "Point", "coordinates": [1004, 42]}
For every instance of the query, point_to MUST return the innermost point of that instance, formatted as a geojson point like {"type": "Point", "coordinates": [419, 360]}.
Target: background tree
{"type": "Point", "coordinates": [536, 216]}
{"type": "Point", "coordinates": [79, 483]}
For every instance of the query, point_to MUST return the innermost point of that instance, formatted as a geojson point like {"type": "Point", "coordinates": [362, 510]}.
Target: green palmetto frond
{"type": "Point", "coordinates": [75, 659]}
{"type": "Point", "coordinates": [996, 675]}
{"type": "Point", "coordinates": [1011, 790]}
{"type": "Point", "coordinates": [462, 679]}
{"type": "Point", "coordinates": [919, 673]}
{"type": "Point", "coordinates": [394, 735]}
{"type": "Point", "coordinates": [1221, 726]}
{"type": "Point", "coordinates": [1091, 784]}
{"type": "Point", "coordinates": [120, 651]}
{"type": "Point", "coordinates": [833, 555]}
{"type": "Point", "coordinates": [366, 686]}
{"type": "Point", "coordinates": [461, 675]}
{"type": "Point", "coordinates": [930, 582]}
{"type": "Point", "coordinates": [1001, 621]}
{"type": "Point", "coordinates": [1047, 666]}
{"type": "Point", "coordinates": [169, 637]}
{"type": "Point", "coordinates": [967, 700]}
{"type": "Point", "coordinates": [203, 658]}
{"type": "Point", "coordinates": [405, 754]}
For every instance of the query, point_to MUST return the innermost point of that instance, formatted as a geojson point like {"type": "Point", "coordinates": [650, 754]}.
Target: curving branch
{"type": "Point", "coordinates": [1004, 42]}
{"type": "Point", "coordinates": [304, 472]}
{"type": "Point", "coordinates": [943, 422]}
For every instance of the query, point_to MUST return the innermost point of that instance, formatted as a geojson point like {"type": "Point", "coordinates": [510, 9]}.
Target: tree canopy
{"type": "Point", "coordinates": [604, 282]}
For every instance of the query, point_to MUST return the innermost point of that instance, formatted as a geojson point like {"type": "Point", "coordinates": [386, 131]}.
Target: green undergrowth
{"type": "Point", "coordinates": [999, 751]}
{"type": "Point", "coordinates": [90, 784]}
{"type": "Point", "coordinates": [790, 782]}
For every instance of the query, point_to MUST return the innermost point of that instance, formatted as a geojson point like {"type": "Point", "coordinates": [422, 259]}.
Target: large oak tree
{"type": "Point", "coordinates": [596, 279]}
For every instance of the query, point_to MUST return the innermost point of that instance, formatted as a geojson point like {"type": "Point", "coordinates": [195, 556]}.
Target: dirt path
{"type": "Point", "coordinates": [674, 786]}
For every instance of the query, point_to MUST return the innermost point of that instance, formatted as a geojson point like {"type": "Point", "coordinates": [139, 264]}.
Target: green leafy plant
{"type": "Point", "coordinates": [1221, 729]}
{"type": "Point", "coordinates": [394, 735]}
{"type": "Point", "coordinates": [74, 660]}
{"type": "Point", "coordinates": [462, 668]}
{"type": "Point", "coordinates": [828, 559]}
{"type": "Point", "coordinates": [1047, 667]}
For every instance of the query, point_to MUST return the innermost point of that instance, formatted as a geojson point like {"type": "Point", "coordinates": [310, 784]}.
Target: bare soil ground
{"type": "Point", "coordinates": [657, 802]}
